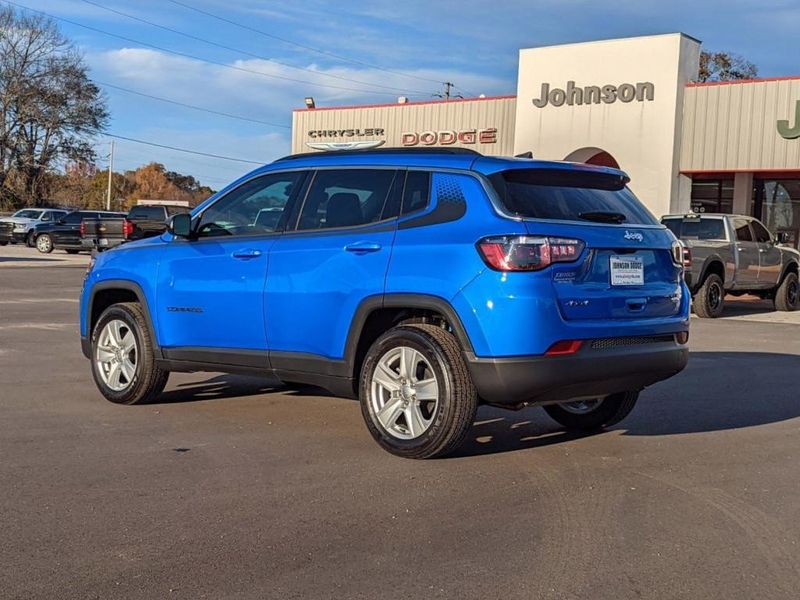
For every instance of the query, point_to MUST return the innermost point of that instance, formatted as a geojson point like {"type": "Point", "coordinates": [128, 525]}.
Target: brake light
{"type": "Point", "coordinates": [127, 229]}
{"type": "Point", "coordinates": [528, 253]}
{"type": "Point", "coordinates": [83, 228]}
{"type": "Point", "coordinates": [687, 258]}
{"type": "Point", "coordinates": [681, 255]}
{"type": "Point", "coordinates": [564, 347]}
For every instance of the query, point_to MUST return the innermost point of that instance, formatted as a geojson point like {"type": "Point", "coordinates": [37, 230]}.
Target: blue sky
{"type": "Point", "coordinates": [399, 48]}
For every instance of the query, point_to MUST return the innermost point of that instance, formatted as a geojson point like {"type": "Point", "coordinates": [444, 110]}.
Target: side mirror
{"type": "Point", "coordinates": [180, 225]}
{"type": "Point", "coordinates": [782, 237]}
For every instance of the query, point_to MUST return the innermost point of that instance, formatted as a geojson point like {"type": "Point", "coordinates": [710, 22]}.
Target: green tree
{"type": "Point", "coordinates": [725, 66]}
{"type": "Point", "coordinates": [49, 108]}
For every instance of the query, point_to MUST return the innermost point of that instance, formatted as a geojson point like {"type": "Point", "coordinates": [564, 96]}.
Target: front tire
{"type": "Point", "coordinates": [710, 298]}
{"type": "Point", "coordinates": [30, 240]}
{"type": "Point", "coordinates": [123, 361]}
{"type": "Point", "coordinates": [417, 397]}
{"type": "Point", "coordinates": [590, 415]}
{"type": "Point", "coordinates": [44, 243]}
{"type": "Point", "coordinates": [787, 296]}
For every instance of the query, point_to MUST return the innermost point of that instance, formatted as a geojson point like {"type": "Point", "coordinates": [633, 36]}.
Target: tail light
{"type": "Point", "coordinates": [127, 229]}
{"type": "Point", "coordinates": [83, 228]}
{"type": "Point", "coordinates": [528, 253]}
{"type": "Point", "coordinates": [681, 255]}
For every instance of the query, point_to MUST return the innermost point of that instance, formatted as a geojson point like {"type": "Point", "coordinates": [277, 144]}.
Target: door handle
{"type": "Point", "coordinates": [246, 253]}
{"type": "Point", "coordinates": [362, 247]}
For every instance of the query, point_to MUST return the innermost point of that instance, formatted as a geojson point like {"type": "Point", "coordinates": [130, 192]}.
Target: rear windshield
{"type": "Point", "coordinates": [569, 196]}
{"type": "Point", "coordinates": [147, 212]}
{"type": "Point", "coordinates": [696, 228]}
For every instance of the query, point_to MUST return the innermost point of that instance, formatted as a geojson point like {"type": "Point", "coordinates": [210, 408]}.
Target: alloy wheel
{"type": "Point", "coordinates": [581, 407]}
{"type": "Point", "coordinates": [404, 393]}
{"type": "Point", "coordinates": [116, 355]}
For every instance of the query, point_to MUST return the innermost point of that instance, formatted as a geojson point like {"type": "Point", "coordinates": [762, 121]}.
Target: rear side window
{"type": "Point", "coordinates": [697, 229]}
{"type": "Point", "coordinates": [345, 198]}
{"type": "Point", "coordinates": [567, 195]}
{"type": "Point", "coordinates": [153, 213]}
{"type": "Point", "coordinates": [75, 217]}
{"type": "Point", "coordinates": [743, 233]}
{"type": "Point", "coordinates": [417, 191]}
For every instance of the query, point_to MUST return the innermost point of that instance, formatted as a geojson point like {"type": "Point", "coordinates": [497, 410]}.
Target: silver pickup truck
{"type": "Point", "coordinates": [734, 254]}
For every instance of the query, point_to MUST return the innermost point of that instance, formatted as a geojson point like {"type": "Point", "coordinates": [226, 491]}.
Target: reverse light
{"type": "Point", "coordinates": [564, 347]}
{"type": "Point", "coordinates": [528, 253]}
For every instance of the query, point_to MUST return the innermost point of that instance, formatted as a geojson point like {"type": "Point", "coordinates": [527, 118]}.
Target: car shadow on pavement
{"type": "Point", "coordinates": [225, 386]}
{"type": "Point", "coordinates": [737, 308]}
{"type": "Point", "coordinates": [7, 259]}
{"type": "Point", "coordinates": [717, 391]}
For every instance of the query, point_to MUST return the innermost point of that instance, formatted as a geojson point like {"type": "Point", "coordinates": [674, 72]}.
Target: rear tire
{"type": "Point", "coordinates": [581, 416]}
{"type": "Point", "coordinates": [44, 243]}
{"type": "Point", "coordinates": [710, 298]}
{"type": "Point", "coordinates": [3, 243]}
{"type": "Point", "coordinates": [71, 251]}
{"type": "Point", "coordinates": [121, 337]}
{"type": "Point", "coordinates": [425, 408]}
{"type": "Point", "coordinates": [787, 296]}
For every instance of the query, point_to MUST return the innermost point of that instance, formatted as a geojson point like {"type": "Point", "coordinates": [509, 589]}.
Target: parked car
{"type": "Point", "coordinates": [104, 231]}
{"type": "Point", "coordinates": [734, 254]}
{"type": "Point", "coordinates": [65, 233]}
{"type": "Point", "coordinates": [151, 220]}
{"type": "Point", "coordinates": [19, 227]}
{"type": "Point", "coordinates": [422, 282]}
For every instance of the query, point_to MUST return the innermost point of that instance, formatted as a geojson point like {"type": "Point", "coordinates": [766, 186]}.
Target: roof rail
{"type": "Point", "coordinates": [437, 150]}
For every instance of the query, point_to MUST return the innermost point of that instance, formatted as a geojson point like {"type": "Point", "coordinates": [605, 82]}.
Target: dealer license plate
{"type": "Point", "coordinates": [627, 270]}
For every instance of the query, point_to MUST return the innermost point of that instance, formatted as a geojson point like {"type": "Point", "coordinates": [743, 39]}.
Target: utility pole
{"type": "Point", "coordinates": [446, 94]}
{"type": "Point", "coordinates": [110, 175]}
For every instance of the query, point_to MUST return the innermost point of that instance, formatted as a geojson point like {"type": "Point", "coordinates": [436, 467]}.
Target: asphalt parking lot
{"type": "Point", "coordinates": [231, 487]}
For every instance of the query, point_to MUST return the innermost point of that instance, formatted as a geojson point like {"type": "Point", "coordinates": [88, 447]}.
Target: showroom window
{"type": "Point", "coordinates": [776, 203]}
{"type": "Point", "coordinates": [712, 196]}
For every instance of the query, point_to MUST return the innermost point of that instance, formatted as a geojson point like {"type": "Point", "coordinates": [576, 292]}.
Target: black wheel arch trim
{"type": "Point", "coordinates": [791, 267]}
{"type": "Point", "coordinates": [118, 284]}
{"type": "Point", "coordinates": [401, 300]}
{"type": "Point", "coordinates": [706, 267]}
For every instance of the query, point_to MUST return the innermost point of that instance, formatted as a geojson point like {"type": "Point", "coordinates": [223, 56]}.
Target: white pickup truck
{"type": "Point", "coordinates": [734, 254]}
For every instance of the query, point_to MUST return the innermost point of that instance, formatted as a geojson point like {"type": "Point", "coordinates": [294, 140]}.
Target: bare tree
{"type": "Point", "coordinates": [49, 108]}
{"type": "Point", "coordinates": [725, 66]}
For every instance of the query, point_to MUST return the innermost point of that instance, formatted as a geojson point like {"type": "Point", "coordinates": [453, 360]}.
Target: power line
{"type": "Point", "coordinates": [200, 108]}
{"type": "Point", "coordinates": [299, 45]}
{"type": "Point", "coordinates": [129, 139]}
{"type": "Point", "coordinates": [191, 56]}
{"type": "Point", "coordinates": [245, 52]}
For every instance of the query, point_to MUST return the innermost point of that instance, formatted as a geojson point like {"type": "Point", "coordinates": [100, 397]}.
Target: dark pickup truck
{"type": "Point", "coordinates": [151, 220]}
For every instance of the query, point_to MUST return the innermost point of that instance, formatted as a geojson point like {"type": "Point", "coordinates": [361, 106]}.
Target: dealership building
{"type": "Point", "coordinates": [631, 103]}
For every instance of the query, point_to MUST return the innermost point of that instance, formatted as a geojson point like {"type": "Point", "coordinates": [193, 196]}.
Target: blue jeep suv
{"type": "Point", "coordinates": [425, 283]}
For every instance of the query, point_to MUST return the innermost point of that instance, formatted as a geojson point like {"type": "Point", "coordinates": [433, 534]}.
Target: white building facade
{"type": "Point", "coordinates": [629, 103]}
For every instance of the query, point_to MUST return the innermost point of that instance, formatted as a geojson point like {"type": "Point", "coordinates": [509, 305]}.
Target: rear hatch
{"type": "Point", "coordinates": [626, 265]}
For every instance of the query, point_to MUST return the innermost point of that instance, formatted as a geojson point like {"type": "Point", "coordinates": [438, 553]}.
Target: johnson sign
{"type": "Point", "coordinates": [594, 94]}
{"type": "Point", "coordinates": [449, 137]}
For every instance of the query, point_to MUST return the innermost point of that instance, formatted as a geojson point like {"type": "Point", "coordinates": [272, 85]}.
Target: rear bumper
{"type": "Point", "coordinates": [518, 381]}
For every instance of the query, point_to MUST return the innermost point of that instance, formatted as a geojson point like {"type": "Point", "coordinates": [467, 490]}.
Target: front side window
{"type": "Point", "coordinates": [568, 195]}
{"type": "Point", "coordinates": [345, 198]}
{"type": "Point", "coordinates": [255, 207]}
{"type": "Point", "coordinates": [762, 235]}
{"type": "Point", "coordinates": [743, 233]}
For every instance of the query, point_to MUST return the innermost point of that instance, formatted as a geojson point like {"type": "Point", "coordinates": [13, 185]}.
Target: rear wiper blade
{"type": "Point", "coordinates": [603, 217]}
